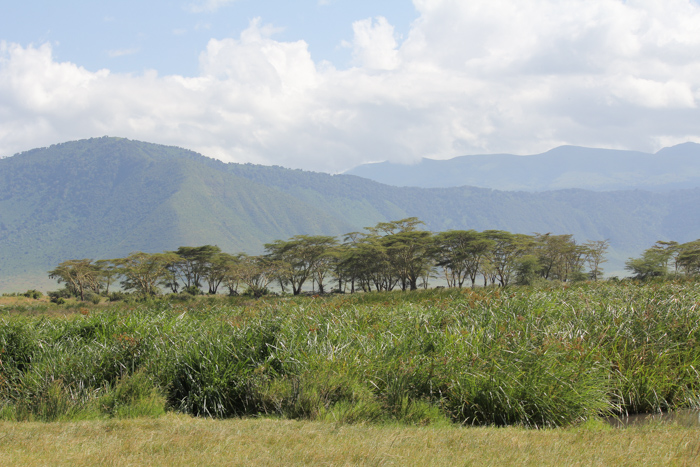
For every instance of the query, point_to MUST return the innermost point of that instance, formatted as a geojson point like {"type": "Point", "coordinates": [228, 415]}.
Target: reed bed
{"type": "Point", "coordinates": [530, 356]}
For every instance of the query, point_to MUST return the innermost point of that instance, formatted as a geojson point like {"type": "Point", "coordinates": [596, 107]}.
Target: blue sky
{"type": "Point", "coordinates": [168, 36]}
{"type": "Point", "coordinates": [330, 84]}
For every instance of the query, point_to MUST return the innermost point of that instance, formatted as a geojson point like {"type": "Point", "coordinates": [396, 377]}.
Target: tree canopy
{"type": "Point", "coordinates": [395, 254]}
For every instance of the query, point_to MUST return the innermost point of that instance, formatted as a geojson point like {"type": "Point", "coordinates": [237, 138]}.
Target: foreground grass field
{"type": "Point", "coordinates": [374, 379]}
{"type": "Point", "coordinates": [535, 357]}
{"type": "Point", "coordinates": [184, 440]}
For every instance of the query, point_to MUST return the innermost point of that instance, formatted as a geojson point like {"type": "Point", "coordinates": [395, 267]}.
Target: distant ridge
{"type": "Point", "coordinates": [107, 197]}
{"type": "Point", "coordinates": [564, 167]}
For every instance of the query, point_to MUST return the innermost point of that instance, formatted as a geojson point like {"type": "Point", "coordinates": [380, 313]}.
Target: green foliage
{"type": "Point", "coordinates": [688, 257]}
{"type": "Point", "coordinates": [549, 355]}
{"type": "Point", "coordinates": [133, 395]}
{"type": "Point", "coordinates": [303, 256]}
{"type": "Point", "coordinates": [462, 254]}
{"type": "Point", "coordinates": [527, 270]}
{"type": "Point", "coordinates": [32, 293]}
{"type": "Point", "coordinates": [117, 296]}
{"type": "Point", "coordinates": [59, 296]}
{"type": "Point", "coordinates": [653, 263]}
{"type": "Point", "coordinates": [81, 276]}
{"type": "Point", "coordinates": [193, 264]}
{"type": "Point", "coordinates": [256, 292]}
{"type": "Point", "coordinates": [192, 290]}
{"type": "Point", "coordinates": [152, 198]}
{"type": "Point", "coordinates": [142, 272]}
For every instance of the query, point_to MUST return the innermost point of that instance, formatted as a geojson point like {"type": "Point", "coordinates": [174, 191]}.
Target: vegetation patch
{"type": "Point", "coordinates": [537, 356]}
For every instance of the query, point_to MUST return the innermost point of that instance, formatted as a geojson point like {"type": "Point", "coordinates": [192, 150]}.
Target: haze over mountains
{"type": "Point", "coordinates": [107, 197]}
{"type": "Point", "coordinates": [564, 167]}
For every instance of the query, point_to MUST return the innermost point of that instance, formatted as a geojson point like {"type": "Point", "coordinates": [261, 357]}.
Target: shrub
{"type": "Point", "coordinates": [256, 292]}
{"type": "Point", "coordinates": [60, 294]}
{"type": "Point", "coordinates": [531, 356]}
{"type": "Point", "coordinates": [132, 396]}
{"type": "Point", "coordinates": [92, 298]}
{"type": "Point", "coordinates": [32, 293]}
{"type": "Point", "coordinates": [117, 296]}
{"type": "Point", "coordinates": [192, 290]}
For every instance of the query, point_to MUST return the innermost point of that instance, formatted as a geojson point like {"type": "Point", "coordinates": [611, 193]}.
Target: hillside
{"type": "Point", "coordinates": [565, 167]}
{"type": "Point", "coordinates": [106, 197]}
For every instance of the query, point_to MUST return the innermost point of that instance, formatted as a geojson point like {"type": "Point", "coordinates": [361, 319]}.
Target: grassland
{"type": "Point", "coordinates": [388, 371]}
{"type": "Point", "coordinates": [184, 440]}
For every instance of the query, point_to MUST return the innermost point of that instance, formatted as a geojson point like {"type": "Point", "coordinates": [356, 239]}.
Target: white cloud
{"type": "Point", "coordinates": [469, 77]}
{"type": "Point", "coordinates": [374, 45]}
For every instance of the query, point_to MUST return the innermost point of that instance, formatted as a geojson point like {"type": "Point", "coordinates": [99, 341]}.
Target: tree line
{"type": "Point", "coordinates": [666, 258]}
{"type": "Point", "coordinates": [391, 255]}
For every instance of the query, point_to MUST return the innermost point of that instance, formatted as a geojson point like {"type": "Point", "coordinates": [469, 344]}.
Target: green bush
{"type": "Point", "coordinates": [132, 396]}
{"type": "Point", "coordinates": [35, 294]}
{"type": "Point", "coordinates": [534, 356]}
{"type": "Point", "coordinates": [256, 292]}
{"type": "Point", "coordinates": [192, 290]}
{"type": "Point", "coordinates": [59, 296]}
{"type": "Point", "coordinates": [117, 296]}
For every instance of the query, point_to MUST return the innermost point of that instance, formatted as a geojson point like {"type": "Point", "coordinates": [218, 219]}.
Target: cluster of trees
{"type": "Point", "coordinates": [390, 255]}
{"type": "Point", "coordinates": [666, 258]}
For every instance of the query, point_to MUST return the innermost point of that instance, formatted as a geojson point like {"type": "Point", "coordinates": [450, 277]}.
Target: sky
{"type": "Point", "coordinates": [326, 85]}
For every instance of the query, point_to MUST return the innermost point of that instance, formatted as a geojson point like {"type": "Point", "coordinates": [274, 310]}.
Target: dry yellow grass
{"type": "Point", "coordinates": [182, 440]}
{"type": "Point", "coordinates": [14, 301]}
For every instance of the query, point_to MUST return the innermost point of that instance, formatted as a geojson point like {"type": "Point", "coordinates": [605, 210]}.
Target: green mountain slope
{"type": "Point", "coordinates": [106, 197]}
{"type": "Point", "coordinates": [632, 220]}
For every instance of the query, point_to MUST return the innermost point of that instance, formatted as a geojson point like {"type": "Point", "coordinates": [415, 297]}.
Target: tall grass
{"type": "Point", "coordinates": [540, 357]}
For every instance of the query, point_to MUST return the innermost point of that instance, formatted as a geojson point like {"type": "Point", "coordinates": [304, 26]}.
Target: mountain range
{"type": "Point", "coordinates": [107, 197]}
{"type": "Point", "coordinates": [564, 167]}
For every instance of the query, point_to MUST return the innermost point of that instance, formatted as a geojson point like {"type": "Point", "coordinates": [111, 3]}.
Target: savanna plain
{"type": "Point", "coordinates": [516, 375]}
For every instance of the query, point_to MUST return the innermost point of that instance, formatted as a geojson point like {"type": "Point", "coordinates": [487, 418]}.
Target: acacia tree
{"type": "Point", "coordinates": [107, 272]}
{"type": "Point", "coordinates": [143, 271]}
{"type": "Point", "coordinates": [170, 278]}
{"type": "Point", "coordinates": [527, 269]}
{"type": "Point", "coordinates": [688, 258]}
{"type": "Point", "coordinates": [550, 251]}
{"type": "Point", "coordinates": [596, 256]}
{"type": "Point", "coordinates": [488, 270]}
{"type": "Point", "coordinates": [303, 255]}
{"type": "Point", "coordinates": [561, 258]}
{"type": "Point", "coordinates": [193, 263]}
{"type": "Point", "coordinates": [78, 274]}
{"type": "Point", "coordinates": [460, 253]}
{"type": "Point", "coordinates": [387, 255]}
{"type": "Point", "coordinates": [408, 250]}
{"type": "Point", "coordinates": [672, 251]}
{"type": "Point", "coordinates": [257, 272]}
{"type": "Point", "coordinates": [364, 261]}
{"type": "Point", "coordinates": [507, 248]}
{"type": "Point", "coordinates": [575, 259]}
{"type": "Point", "coordinates": [217, 269]}
{"type": "Point", "coordinates": [326, 265]}
{"type": "Point", "coordinates": [410, 255]}
{"type": "Point", "coordinates": [652, 263]}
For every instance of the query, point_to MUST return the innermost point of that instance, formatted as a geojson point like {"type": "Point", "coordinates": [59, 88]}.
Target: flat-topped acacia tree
{"type": "Point", "coordinates": [303, 255]}
{"type": "Point", "coordinates": [142, 272]}
{"type": "Point", "coordinates": [79, 275]}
